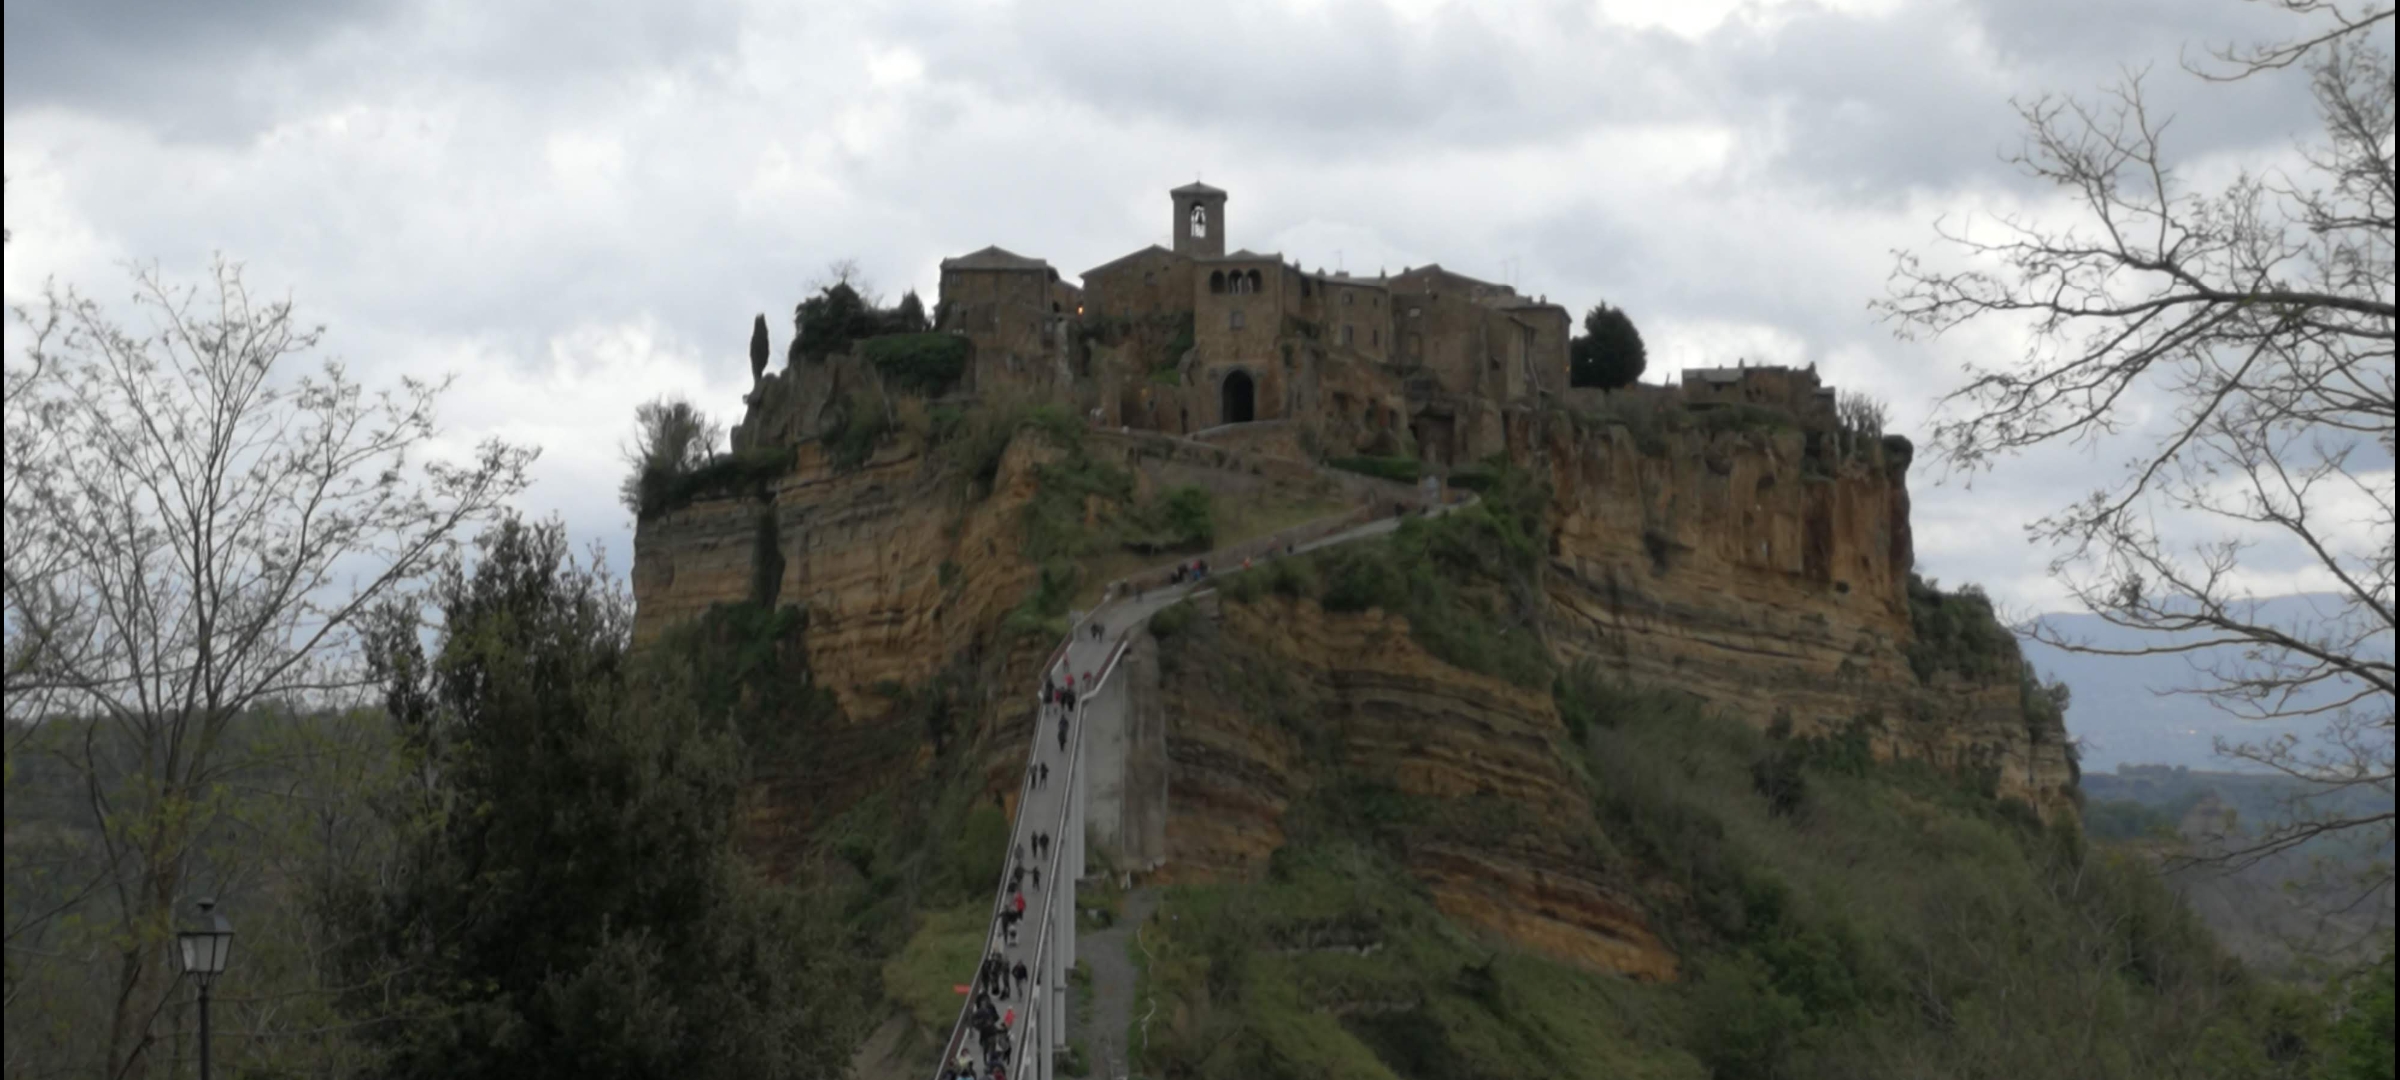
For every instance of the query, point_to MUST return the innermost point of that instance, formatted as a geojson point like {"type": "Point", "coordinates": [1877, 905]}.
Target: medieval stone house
{"type": "Point", "coordinates": [1191, 338]}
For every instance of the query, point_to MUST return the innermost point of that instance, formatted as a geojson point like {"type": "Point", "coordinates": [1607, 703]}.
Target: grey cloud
{"type": "Point", "coordinates": [192, 69]}
{"type": "Point", "coordinates": [223, 72]}
{"type": "Point", "coordinates": [1345, 80]}
{"type": "Point", "coordinates": [1871, 107]}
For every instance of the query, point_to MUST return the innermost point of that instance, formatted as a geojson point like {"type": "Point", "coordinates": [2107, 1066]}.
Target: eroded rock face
{"type": "Point", "coordinates": [1725, 567]}
{"type": "Point", "coordinates": [898, 571]}
{"type": "Point", "coordinates": [1512, 846]}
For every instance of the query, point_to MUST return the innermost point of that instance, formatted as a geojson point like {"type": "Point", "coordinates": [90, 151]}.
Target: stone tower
{"type": "Point", "coordinates": [1199, 219]}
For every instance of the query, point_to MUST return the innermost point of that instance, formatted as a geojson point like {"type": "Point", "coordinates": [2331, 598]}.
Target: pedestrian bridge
{"type": "Point", "coordinates": [1033, 1029]}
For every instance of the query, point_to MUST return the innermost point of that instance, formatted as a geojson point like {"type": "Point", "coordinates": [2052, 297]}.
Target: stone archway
{"type": "Point", "coordinates": [1238, 399]}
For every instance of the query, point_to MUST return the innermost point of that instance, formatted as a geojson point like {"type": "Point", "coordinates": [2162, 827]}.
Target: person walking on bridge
{"type": "Point", "coordinates": [1021, 975]}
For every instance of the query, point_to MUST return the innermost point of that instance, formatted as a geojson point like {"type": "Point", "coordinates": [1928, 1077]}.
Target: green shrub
{"type": "Point", "coordinates": [828, 322]}
{"type": "Point", "coordinates": [925, 364]}
{"type": "Point", "coordinates": [1361, 576]}
{"type": "Point", "coordinates": [1172, 620]}
{"type": "Point", "coordinates": [1043, 612]}
{"type": "Point", "coordinates": [856, 431]}
{"type": "Point", "coordinates": [1188, 516]}
{"type": "Point", "coordinates": [746, 472]}
{"type": "Point", "coordinates": [1466, 581]}
{"type": "Point", "coordinates": [1404, 470]}
{"type": "Point", "coordinates": [1956, 632]}
{"type": "Point", "coordinates": [1292, 578]}
{"type": "Point", "coordinates": [1743, 416]}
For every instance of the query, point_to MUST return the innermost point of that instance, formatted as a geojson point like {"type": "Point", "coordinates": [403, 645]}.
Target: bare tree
{"type": "Point", "coordinates": [1862, 418]}
{"type": "Point", "coordinates": [195, 532]}
{"type": "Point", "coordinates": [2262, 314]}
{"type": "Point", "coordinates": [671, 437]}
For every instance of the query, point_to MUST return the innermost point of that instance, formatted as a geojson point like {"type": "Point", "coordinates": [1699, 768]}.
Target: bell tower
{"type": "Point", "coordinates": [1199, 219]}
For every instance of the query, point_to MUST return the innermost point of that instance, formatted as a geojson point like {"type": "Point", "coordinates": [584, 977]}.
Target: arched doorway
{"type": "Point", "coordinates": [1240, 399]}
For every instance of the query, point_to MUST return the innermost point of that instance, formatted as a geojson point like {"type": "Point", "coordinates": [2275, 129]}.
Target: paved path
{"type": "Point", "coordinates": [1043, 806]}
{"type": "Point", "coordinates": [1110, 954]}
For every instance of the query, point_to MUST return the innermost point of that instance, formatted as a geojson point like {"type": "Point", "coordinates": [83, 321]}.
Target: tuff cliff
{"type": "Point", "coordinates": [1774, 582]}
{"type": "Point", "coordinates": [1760, 567]}
{"type": "Point", "coordinates": [1278, 701]}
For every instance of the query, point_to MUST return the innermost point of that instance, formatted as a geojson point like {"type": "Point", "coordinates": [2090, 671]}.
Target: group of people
{"type": "Point", "coordinates": [992, 1027]}
{"type": "Point", "coordinates": [1194, 570]}
{"type": "Point", "coordinates": [998, 979]}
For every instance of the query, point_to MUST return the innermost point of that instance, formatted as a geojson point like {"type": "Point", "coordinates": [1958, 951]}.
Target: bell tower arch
{"type": "Point", "coordinates": [1199, 227]}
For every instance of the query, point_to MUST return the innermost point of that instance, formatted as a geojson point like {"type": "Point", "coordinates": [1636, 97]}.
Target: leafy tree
{"type": "Point", "coordinates": [2256, 321]}
{"type": "Point", "coordinates": [2362, 1043]}
{"type": "Point", "coordinates": [194, 533]}
{"type": "Point", "coordinates": [671, 439]}
{"type": "Point", "coordinates": [758, 348]}
{"type": "Point", "coordinates": [1609, 352]}
{"type": "Point", "coordinates": [909, 317]}
{"type": "Point", "coordinates": [828, 322]}
{"type": "Point", "coordinates": [573, 906]}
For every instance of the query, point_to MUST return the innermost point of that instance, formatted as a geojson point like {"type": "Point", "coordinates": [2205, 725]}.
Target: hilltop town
{"type": "Point", "coordinates": [1252, 350]}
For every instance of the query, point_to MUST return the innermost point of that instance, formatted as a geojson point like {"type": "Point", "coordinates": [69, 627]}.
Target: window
{"type": "Point", "coordinates": [1375, 338]}
{"type": "Point", "coordinates": [1237, 319]}
{"type": "Point", "coordinates": [1347, 337]}
{"type": "Point", "coordinates": [1349, 298]}
{"type": "Point", "coordinates": [1216, 281]}
{"type": "Point", "coordinates": [1416, 312]}
{"type": "Point", "coordinates": [1149, 277]}
{"type": "Point", "coordinates": [1199, 220]}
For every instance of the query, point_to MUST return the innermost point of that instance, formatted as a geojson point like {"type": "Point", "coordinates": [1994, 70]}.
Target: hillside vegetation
{"type": "Point", "coordinates": [1835, 917]}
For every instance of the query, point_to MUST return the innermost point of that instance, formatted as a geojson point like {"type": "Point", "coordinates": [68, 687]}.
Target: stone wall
{"type": "Point", "coordinates": [1274, 438]}
{"type": "Point", "coordinates": [1147, 284]}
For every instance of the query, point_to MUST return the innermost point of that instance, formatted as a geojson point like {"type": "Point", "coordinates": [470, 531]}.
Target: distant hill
{"type": "Point", "coordinates": [2120, 717]}
{"type": "Point", "coordinates": [2302, 901]}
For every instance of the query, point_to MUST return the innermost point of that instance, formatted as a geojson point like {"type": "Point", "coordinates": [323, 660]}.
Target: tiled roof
{"type": "Point", "coordinates": [1197, 188]}
{"type": "Point", "coordinates": [993, 258]}
{"type": "Point", "coordinates": [1128, 257]}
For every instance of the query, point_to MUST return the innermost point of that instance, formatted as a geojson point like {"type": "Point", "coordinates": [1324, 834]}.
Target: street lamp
{"type": "Point", "coordinates": [202, 947]}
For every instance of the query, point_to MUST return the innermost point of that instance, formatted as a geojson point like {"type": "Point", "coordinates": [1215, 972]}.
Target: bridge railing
{"type": "Point", "coordinates": [1037, 1019]}
{"type": "Point", "coordinates": [1035, 1014]}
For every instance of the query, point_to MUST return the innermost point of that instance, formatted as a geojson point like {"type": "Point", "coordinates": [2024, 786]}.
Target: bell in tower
{"type": "Point", "coordinates": [1199, 219]}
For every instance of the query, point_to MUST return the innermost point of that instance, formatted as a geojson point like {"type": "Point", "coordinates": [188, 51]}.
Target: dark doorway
{"type": "Point", "coordinates": [1240, 399]}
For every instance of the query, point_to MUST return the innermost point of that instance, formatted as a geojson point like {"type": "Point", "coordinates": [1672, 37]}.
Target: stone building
{"type": "Point", "coordinates": [1191, 338]}
{"type": "Point", "coordinates": [1793, 390]}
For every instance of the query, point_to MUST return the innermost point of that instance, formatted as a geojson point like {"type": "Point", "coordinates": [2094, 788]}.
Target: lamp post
{"type": "Point", "coordinates": [202, 947]}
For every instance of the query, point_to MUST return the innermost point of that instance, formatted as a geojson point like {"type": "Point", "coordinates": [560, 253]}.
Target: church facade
{"type": "Point", "coordinates": [1193, 339]}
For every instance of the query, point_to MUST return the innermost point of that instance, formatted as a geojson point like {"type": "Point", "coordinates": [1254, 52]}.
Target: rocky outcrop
{"type": "Point", "coordinates": [1773, 584]}
{"type": "Point", "coordinates": [1292, 696]}
{"type": "Point", "coordinates": [899, 571]}
{"type": "Point", "coordinates": [1741, 565]}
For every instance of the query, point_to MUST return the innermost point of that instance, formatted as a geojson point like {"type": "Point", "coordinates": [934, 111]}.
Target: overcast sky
{"type": "Point", "coordinates": [576, 207]}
